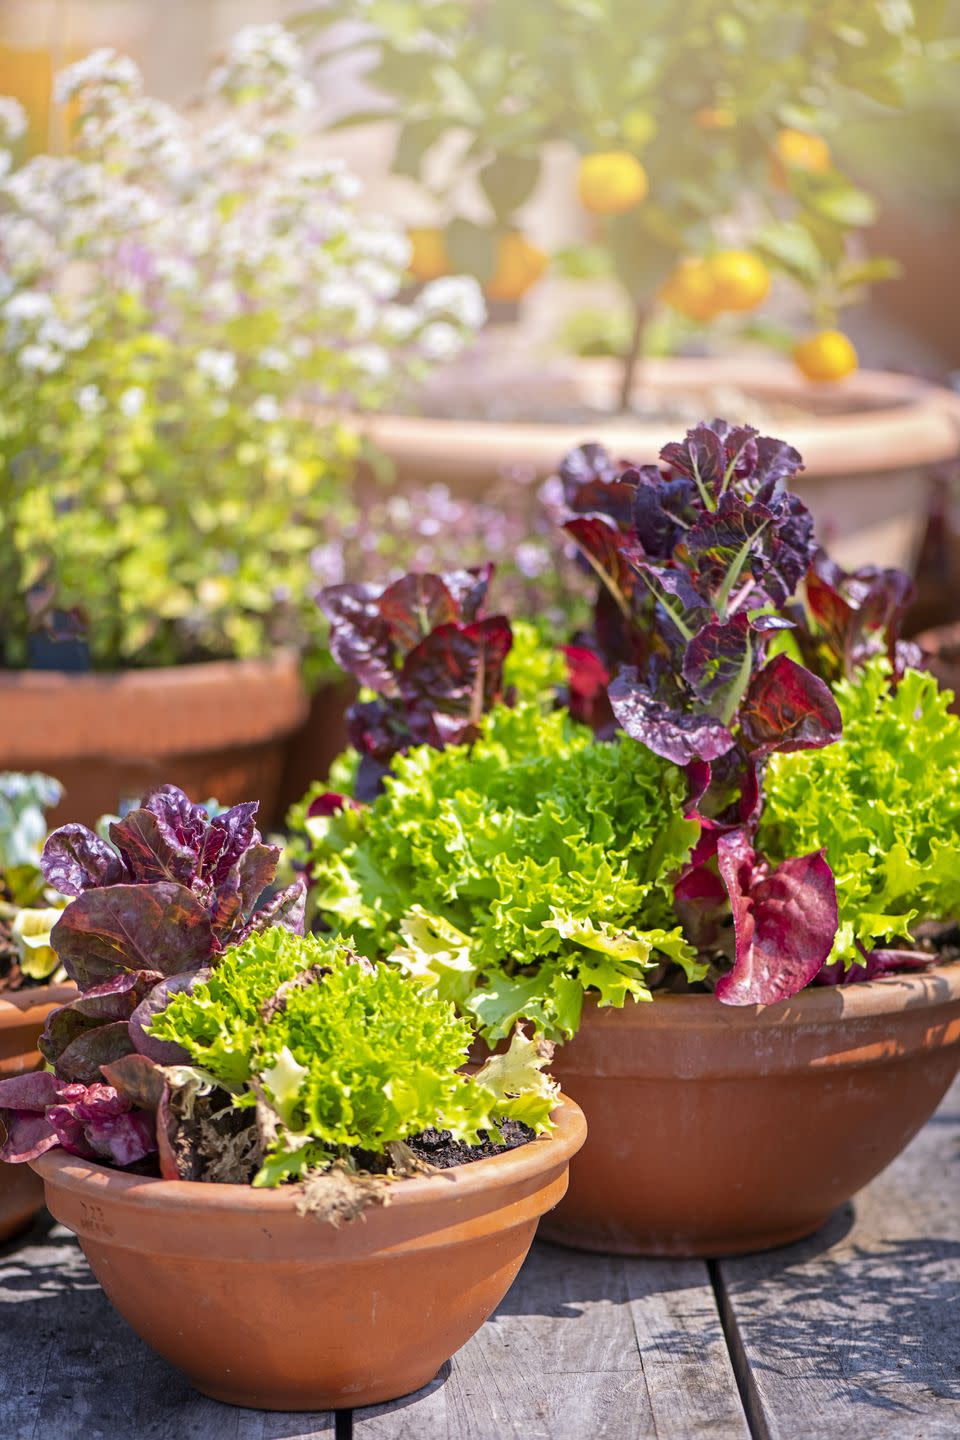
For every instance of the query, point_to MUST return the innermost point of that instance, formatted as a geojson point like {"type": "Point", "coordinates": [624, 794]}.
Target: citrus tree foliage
{"type": "Point", "coordinates": [682, 113]}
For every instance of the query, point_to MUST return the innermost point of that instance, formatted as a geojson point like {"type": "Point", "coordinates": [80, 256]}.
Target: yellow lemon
{"type": "Point", "coordinates": [519, 266]}
{"type": "Point", "coordinates": [611, 182]}
{"type": "Point", "coordinates": [827, 355]}
{"type": "Point", "coordinates": [690, 289]}
{"type": "Point", "coordinates": [799, 150]}
{"type": "Point", "coordinates": [428, 253]}
{"type": "Point", "coordinates": [740, 280]}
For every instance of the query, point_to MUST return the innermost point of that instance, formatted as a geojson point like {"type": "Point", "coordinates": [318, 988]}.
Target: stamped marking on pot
{"type": "Point", "coordinates": [93, 1220]}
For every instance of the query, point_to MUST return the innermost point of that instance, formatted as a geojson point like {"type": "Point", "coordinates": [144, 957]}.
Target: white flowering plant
{"type": "Point", "coordinates": [181, 295]}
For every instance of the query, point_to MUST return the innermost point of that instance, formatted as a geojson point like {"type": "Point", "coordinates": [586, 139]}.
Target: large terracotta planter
{"type": "Point", "coordinates": [217, 730]}
{"type": "Point", "coordinates": [866, 442]}
{"type": "Point", "coordinates": [22, 1014]}
{"type": "Point", "coordinates": [941, 656]}
{"type": "Point", "coordinates": [716, 1130]}
{"type": "Point", "coordinates": [263, 1307]}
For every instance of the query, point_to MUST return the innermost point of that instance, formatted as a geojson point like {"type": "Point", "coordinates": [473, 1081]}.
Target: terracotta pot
{"type": "Point", "coordinates": [865, 442]}
{"type": "Point", "coordinates": [941, 656]}
{"type": "Point", "coordinates": [317, 743]}
{"type": "Point", "coordinates": [217, 730]}
{"type": "Point", "coordinates": [716, 1130]}
{"type": "Point", "coordinates": [22, 1014]}
{"type": "Point", "coordinates": [263, 1307]}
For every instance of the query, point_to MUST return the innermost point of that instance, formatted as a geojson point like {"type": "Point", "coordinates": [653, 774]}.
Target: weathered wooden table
{"type": "Point", "coordinates": [853, 1335]}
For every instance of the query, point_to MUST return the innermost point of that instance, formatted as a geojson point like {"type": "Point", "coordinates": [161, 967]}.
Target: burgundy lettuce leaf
{"type": "Point", "coordinates": [855, 615]}
{"type": "Point", "coordinates": [701, 457]}
{"type": "Point", "coordinates": [162, 1052]}
{"type": "Point", "coordinates": [80, 1062]}
{"type": "Point", "coordinates": [594, 484]}
{"type": "Point", "coordinates": [663, 511]}
{"type": "Point", "coordinates": [725, 543]}
{"type": "Point", "coordinates": [875, 963]}
{"type": "Point", "coordinates": [75, 859]}
{"type": "Point", "coordinates": [138, 1080]}
{"type": "Point", "coordinates": [360, 638]}
{"type": "Point", "coordinates": [331, 802]}
{"type": "Point", "coordinates": [286, 909]}
{"type": "Point", "coordinates": [24, 1128]}
{"type": "Point", "coordinates": [185, 821]}
{"type": "Point", "coordinates": [96, 1123]}
{"type": "Point", "coordinates": [788, 708]}
{"type": "Point", "coordinates": [469, 589]}
{"type": "Point", "coordinates": [587, 681]}
{"type": "Point", "coordinates": [604, 550]}
{"type": "Point", "coordinates": [228, 839]}
{"type": "Point", "coordinates": [76, 1022]}
{"type": "Point", "coordinates": [717, 662]}
{"type": "Point", "coordinates": [452, 677]}
{"type": "Point", "coordinates": [785, 921]}
{"type": "Point", "coordinates": [413, 606]}
{"type": "Point", "coordinates": [670, 731]}
{"type": "Point", "coordinates": [150, 850]}
{"type": "Point", "coordinates": [161, 926]}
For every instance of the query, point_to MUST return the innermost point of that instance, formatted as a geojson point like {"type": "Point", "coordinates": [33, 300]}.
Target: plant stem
{"type": "Point", "coordinates": [632, 357]}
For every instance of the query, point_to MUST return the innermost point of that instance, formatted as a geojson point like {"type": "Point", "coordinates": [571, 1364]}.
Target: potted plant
{"type": "Point", "coordinates": [727, 880]}
{"type": "Point", "coordinates": [32, 982]}
{"type": "Point", "coordinates": [698, 152]}
{"type": "Point", "coordinates": [228, 1096]}
{"type": "Point", "coordinates": [180, 289]}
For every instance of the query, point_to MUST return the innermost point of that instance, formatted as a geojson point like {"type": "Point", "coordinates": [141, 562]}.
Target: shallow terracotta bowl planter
{"type": "Point", "coordinates": [218, 730]}
{"type": "Point", "coordinates": [22, 1014]}
{"type": "Point", "coordinates": [716, 1130]}
{"type": "Point", "coordinates": [866, 443]}
{"type": "Point", "coordinates": [260, 1306]}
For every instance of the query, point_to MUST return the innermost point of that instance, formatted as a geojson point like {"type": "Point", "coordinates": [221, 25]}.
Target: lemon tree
{"type": "Point", "coordinates": [683, 117]}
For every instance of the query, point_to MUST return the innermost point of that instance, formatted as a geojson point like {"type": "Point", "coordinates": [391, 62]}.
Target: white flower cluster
{"type": "Point", "coordinates": [217, 233]}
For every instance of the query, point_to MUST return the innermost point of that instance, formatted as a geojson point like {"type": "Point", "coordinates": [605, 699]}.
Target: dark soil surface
{"type": "Point", "coordinates": [439, 1149]}
{"type": "Point", "coordinates": [941, 941]}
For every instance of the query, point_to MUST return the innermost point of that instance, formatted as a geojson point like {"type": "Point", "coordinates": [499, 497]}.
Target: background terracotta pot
{"type": "Point", "coordinates": [716, 1130]}
{"type": "Point", "coordinates": [261, 1306]}
{"type": "Point", "coordinates": [866, 443]}
{"type": "Point", "coordinates": [941, 655]}
{"type": "Point", "coordinates": [217, 730]}
{"type": "Point", "coordinates": [22, 1014]}
{"type": "Point", "coordinates": [318, 742]}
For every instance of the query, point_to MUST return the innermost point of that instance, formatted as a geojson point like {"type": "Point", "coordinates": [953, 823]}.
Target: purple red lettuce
{"type": "Point", "coordinates": [435, 661]}
{"type": "Point", "coordinates": [151, 911]}
{"type": "Point", "coordinates": [696, 574]}
{"type": "Point", "coordinates": [850, 616]}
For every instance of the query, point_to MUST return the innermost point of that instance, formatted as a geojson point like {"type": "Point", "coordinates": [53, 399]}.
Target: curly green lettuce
{"type": "Point", "coordinates": [884, 802]}
{"type": "Point", "coordinates": [515, 874]}
{"type": "Point", "coordinates": [344, 1055]}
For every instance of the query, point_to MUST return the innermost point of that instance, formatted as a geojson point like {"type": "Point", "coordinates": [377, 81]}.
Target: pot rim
{"type": "Point", "coordinates": [29, 1005]}
{"type": "Point", "coordinates": [495, 1172]}
{"type": "Point", "coordinates": [813, 1006]}
{"type": "Point", "coordinates": [151, 677]}
{"type": "Point", "coordinates": [903, 422]}
{"type": "Point", "coordinates": [152, 714]}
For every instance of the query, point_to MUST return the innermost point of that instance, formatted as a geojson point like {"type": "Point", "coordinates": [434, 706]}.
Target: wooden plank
{"type": "Point", "coordinates": [72, 1369]}
{"type": "Point", "coordinates": [854, 1332]}
{"type": "Point", "coordinates": [582, 1346]}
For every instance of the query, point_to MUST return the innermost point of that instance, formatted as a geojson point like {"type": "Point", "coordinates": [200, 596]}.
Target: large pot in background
{"type": "Point", "coordinates": [22, 1013]}
{"type": "Point", "coordinates": [218, 730]}
{"type": "Point", "coordinates": [941, 656]}
{"type": "Point", "coordinates": [320, 739]}
{"type": "Point", "coordinates": [261, 1306]}
{"type": "Point", "coordinates": [866, 443]}
{"type": "Point", "coordinates": [718, 1130]}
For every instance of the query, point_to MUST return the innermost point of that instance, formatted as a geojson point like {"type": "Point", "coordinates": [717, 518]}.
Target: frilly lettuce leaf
{"type": "Point", "coordinates": [515, 873]}
{"type": "Point", "coordinates": [884, 802]}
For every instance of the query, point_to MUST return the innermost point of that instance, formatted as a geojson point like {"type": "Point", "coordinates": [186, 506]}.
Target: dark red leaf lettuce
{"type": "Point", "coordinates": [784, 922]}
{"type": "Point", "coordinates": [434, 659]}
